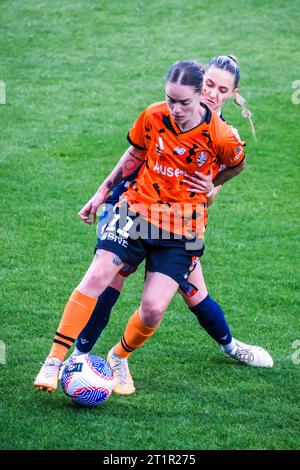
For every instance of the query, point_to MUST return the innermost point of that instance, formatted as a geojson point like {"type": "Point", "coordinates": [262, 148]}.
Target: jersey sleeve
{"type": "Point", "coordinates": [229, 146]}
{"type": "Point", "coordinates": [137, 134]}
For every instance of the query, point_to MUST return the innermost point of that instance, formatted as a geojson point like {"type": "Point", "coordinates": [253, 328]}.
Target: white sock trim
{"type": "Point", "coordinates": [78, 353]}
{"type": "Point", "coordinates": [229, 348]}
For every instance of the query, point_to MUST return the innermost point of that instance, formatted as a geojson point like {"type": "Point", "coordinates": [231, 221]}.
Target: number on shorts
{"type": "Point", "coordinates": [124, 232]}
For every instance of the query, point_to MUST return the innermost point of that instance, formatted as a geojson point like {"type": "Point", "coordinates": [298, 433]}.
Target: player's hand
{"type": "Point", "coordinates": [91, 207]}
{"type": "Point", "coordinates": [211, 199]}
{"type": "Point", "coordinates": [199, 183]}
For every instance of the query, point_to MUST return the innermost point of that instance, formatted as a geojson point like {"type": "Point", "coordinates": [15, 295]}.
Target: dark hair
{"type": "Point", "coordinates": [228, 63]}
{"type": "Point", "coordinates": [186, 72]}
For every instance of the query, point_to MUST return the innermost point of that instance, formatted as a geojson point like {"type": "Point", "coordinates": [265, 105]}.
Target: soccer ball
{"type": "Point", "coordinates": [87, 379]}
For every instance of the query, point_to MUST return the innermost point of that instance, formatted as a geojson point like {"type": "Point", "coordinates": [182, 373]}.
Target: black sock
{"type": "Point", "coordinates": [211, 318]}
{"type": "Point", "coordinates": [98, 321]}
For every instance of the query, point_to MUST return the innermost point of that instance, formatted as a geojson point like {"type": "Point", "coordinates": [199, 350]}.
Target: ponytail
{"type": "Point", "coordinates": [240, 101]}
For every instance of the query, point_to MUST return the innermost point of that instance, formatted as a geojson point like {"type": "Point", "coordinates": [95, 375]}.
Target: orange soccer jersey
{"type": "Point", "coordinates": [159, 194]}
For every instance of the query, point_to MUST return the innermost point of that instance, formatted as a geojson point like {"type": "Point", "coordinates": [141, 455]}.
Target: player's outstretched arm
{"type": "Point", "coordinates": [227, 173]}
{"type": "Point", "coordinates": [222, 177]}
{"type": "Point", "coordinates": [200, 183]}
{"type": "Point", "coordinates": [130, 160]}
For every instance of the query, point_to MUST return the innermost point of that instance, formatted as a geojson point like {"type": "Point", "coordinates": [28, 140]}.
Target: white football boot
{"type": "Point", "coordinates": [123, 383]}
{"type": "Point", "coordinates": [251, 355]}
{"type": "Point", "coordinates": [48, 375]}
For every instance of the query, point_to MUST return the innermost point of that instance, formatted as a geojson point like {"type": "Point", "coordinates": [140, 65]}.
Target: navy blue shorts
{"type": "Point", "coordinates": [105, 216]}
{"type": "Point", "coordinates": [166, 256]}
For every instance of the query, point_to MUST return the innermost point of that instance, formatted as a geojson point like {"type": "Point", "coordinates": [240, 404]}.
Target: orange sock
{"type": "Point", "coordinates": [135, 335]}
{"type": "Point", "coordinates": [77, 313]}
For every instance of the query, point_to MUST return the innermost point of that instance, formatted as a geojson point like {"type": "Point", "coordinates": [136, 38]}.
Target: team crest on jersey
{"type": "Point", "coordinates": [201, 159]}
{"type": "Point", "coordinates": [179, 151]}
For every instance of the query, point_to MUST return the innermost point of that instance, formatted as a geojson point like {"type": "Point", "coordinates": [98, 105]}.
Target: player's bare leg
{"type": "Point", "coordinates": [78, 310]}
{"type": "Point", "coordinates": [158, 292]}
{"type": "Point", "coordinates": [87, 338]}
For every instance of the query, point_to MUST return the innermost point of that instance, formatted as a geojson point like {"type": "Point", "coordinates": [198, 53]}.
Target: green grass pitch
{"type": "Point", "coordinates": [77, 74]}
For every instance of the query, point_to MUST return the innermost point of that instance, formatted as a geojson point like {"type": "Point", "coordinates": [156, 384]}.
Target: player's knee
{"type": "Point", "coordinates": [94, 281]}
{"type": "Point", "coordinates": [152, 312]}
{"type": "Point", "coordinates": [196, 299]}
{"type": "Point", "coordinates": [118, 282]}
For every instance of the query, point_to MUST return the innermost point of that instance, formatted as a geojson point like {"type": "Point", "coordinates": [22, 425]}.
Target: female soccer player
{"type": "Point", "coordinates": [225, 73]}
{"type": "Point", "coordinates": [220, 83]}
{"type": "Point", "coordinates": [173, 139]}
